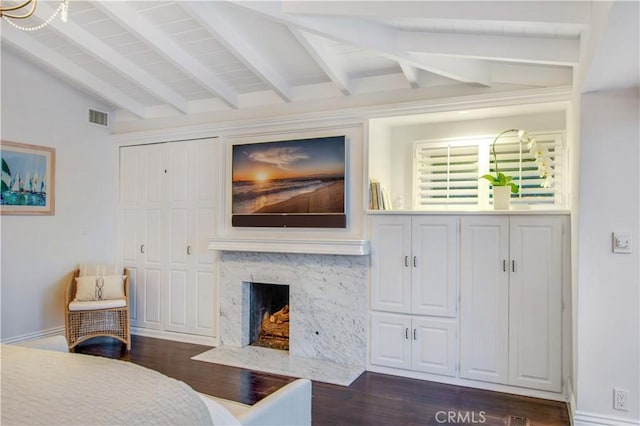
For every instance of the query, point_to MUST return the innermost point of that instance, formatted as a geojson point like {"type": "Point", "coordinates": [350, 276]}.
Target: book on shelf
{"type": "Point", "coordinates": [378, 196]}
{"type": "Point", "coordinates": [375, 188]}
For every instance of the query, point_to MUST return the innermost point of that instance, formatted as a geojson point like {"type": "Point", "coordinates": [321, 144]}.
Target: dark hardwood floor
{"type": "Point", "coordinates": [373, 399]}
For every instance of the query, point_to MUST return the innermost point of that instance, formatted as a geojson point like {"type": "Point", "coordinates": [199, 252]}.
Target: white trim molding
{"type": "Point", "coordinates": [57, 331]}
{"type": "Point", "coordinates": [583, 418]}
{"type": "Point", "coordinates": [176, 337]}
{"type": "Point", "coordinates": [339, 247]}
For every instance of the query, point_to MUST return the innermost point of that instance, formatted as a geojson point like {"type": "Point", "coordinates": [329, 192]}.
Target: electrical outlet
{"type": "Point", "coordinates": [620, 398]}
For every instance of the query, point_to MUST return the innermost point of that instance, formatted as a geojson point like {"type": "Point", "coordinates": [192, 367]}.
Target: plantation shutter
{"type": "Point", "coordinates": [447, 174]}
{"type": "Point", "coordinates": [515, 160]}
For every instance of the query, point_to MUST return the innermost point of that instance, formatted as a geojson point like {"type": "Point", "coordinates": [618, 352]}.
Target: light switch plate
{"type": "Point", "coordinates": [621, 242]}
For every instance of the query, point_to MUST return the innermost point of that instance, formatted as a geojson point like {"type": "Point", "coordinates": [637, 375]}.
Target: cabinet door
{"type": "Point", "coordinates": [391, 263]}
{"type": "Point", "coordinates": [391, 340]}
{"type": "Point", "coordinates": [484, 309]}
{"type": "Point", "coordinates": [434, 346]}
{"type": "Point", "coordinates": [434, 261]}
{"type": "Point", "coordinates": [535, 303]}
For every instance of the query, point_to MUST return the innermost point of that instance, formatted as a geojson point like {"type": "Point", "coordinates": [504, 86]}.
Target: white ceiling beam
{"type": "Point", "coordinates": [100, 50]}
{"type": "Point", "coordinates": [411, 73]}
{"type": "Point", "coordinates": [225, 28]}
{"type": "Point", "coordinates": [542, 12]}
{"type": "Point", "coordinates": [375, 37]}
{"type": "Point", "coordinates": [129, 18]}
{"type": "Point", "coordinates": [26, 45]}
{"type": "Point", "coordinates": [531, 75]}
{"type": "Point", "coordinates": [466, 70]}
{"type": "Point", "coordinates": [325, 59]}
{"type": "Point", "coordinates": [536, 50]}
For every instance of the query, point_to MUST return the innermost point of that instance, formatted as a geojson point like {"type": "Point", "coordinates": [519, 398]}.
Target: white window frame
{"type": "Point", "coordinates": [560, 194]}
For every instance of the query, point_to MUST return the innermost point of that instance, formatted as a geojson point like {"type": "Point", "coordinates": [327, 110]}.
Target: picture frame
{"type": "Point", "coordinates": [28, 179]}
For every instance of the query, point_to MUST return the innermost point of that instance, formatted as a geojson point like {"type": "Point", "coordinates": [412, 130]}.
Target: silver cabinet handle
{"type": "Point", "coordinates": [414, 334]}
{"type": "Point", "coordinates": [142, 248]}
{"type": "Point", "coordinates": [513, 265]}
{"type": "Point", "coordinates": [504, 265]}
{"type": "Point", "coordinates": [406, 333]}
{"type": "Point", "coordinates": [189, 250]}
{"type": "Point", "coordinates": [406, 261]}
{"type": "Point", "coordinates": [415, 264]}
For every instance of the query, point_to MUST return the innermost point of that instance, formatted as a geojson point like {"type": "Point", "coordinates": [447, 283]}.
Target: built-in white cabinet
{"type": "Point", "coordinates": [415, 343]}
{"type": "Point", "coordinates": [413, 292]}
{"type": "Point", "coordinates": [414, 264]}
{"type": "Point", "coordinates": [511, 300]}
{"type": "Point", "coordinates": [166, 216]}
{"type": "Point", "coordinates": [476, 297]}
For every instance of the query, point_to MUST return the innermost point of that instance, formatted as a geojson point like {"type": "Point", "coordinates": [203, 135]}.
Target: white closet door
{"type": "Point", "coordinates": [179, 213]}
{"type": "Point", "coordinates": [190, 221]}
{"type": "Point", "coordinates": [202, 272]}
{"type": "Point", "coordinates": [535, 336]}
{"type": "Point", "coordinates": [484, 304]}
{"type": "Point", "coordinates": [141, 175]}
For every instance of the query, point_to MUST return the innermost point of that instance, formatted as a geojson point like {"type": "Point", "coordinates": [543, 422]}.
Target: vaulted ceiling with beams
{"type": "Point", "coordinates": [154, 58]}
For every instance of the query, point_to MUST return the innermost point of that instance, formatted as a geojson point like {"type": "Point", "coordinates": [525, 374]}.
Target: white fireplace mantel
{"type": "Point", "coordinates": [340, 247]}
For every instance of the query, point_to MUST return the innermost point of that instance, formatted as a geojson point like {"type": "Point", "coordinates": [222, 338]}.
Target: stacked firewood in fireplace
{"type": "Point", "coordinates": [274, 331]}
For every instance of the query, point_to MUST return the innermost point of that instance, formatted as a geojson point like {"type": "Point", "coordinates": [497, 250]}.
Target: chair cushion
{"type": "Point", "coordinates": [100, 269]}
{"type": "Point", "coordinates": [93, 287]}
{"type": "Point", "coordinates": [93, 305]}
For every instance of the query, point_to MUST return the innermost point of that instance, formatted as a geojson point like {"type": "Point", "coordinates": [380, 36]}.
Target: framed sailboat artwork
{"type": "Point", "coordinates": [28, 178]}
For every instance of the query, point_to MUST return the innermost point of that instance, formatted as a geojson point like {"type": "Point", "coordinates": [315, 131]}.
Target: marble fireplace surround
{"type": "Point", "coordinates": [328, 301]}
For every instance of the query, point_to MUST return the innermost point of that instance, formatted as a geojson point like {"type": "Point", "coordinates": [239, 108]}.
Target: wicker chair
{"type": "Point", "coordinates": [85, 320]}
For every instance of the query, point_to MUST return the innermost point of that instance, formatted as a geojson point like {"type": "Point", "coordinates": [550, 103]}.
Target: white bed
{"type": "Point", "coordinates": [49, 387]}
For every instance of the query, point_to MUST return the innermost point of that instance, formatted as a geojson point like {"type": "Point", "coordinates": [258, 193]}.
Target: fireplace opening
{"type": "Point", "coordinates": [269, 315]}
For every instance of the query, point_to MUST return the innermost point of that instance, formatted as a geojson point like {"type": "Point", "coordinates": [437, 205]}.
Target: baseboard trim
{"type": "Point", "coordinates": [57, 331]}
{"type": "Point", "coordinates": [176, 337]}
{"type": "Point", "coordinates": [583, 418]}
{"type": "Point", "coordinates": [495, 387]}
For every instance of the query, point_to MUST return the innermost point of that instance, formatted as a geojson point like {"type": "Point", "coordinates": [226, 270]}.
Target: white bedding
{"type": "Point", "coordinates": [46, 388]}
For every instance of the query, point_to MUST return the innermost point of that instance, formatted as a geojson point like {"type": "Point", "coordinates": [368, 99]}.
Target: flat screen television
{"type": "Point", "coordinates": [293, 183]}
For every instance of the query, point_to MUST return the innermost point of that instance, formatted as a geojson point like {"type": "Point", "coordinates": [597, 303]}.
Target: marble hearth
{"type": "Point", "coordinates": [327, 295]}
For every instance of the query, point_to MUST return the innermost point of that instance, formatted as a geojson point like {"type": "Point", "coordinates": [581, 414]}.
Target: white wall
{"type": "Point", "coordinates": [608, 343]}
{"type": "Point", "coordinates": [39, 252]}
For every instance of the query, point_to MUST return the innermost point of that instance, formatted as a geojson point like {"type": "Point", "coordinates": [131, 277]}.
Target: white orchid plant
{"type": "Point", "coordinates": [540, 153]}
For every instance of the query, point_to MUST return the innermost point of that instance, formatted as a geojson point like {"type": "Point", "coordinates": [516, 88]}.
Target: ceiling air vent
{"type": "Point", "coordinates": [98, 117]}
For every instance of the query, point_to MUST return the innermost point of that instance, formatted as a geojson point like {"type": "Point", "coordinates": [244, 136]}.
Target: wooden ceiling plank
{"type": "Point", "coordinates": [129, 18]}
{"type": "Point", "coordinates": [100, 50]}
{"type": "Point", "coordinates": [536, 50]}
{"type": "Point", "coordinates": [225, 28]}
{"type": "Point", "coordinates": [69, 71]}
{"type": "Point", "coordinates": [325, 60]}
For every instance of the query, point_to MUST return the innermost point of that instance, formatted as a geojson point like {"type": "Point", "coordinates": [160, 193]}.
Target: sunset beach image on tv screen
{"type": "Point", "coordinates": [296, 177]}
